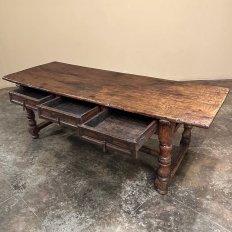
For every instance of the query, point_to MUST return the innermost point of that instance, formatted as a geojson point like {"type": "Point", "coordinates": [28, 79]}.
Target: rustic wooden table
{"type": "Point", "coordinates": [116, 110]}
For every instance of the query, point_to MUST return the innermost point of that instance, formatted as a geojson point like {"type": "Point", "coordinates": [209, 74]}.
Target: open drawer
{"type": "Point", "coordinates": [67, 111]}
{"type": "Point", "coordinates": [118, 130]}
{"type": "Point", "coordinates": [29, 97]}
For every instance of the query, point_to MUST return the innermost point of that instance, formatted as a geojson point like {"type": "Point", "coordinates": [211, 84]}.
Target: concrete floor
{"type": "Point", "coordinates": [60, 183]}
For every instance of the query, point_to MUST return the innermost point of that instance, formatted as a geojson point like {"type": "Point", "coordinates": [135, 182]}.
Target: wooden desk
{"type": "Point", "coordinates": [116, 110]}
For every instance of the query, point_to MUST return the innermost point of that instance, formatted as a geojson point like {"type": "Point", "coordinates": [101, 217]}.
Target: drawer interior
{"type": "Point", "coordinates": [120, 124]}
{"type": "Point", "coordinates": [69, 105]}
{"type": "Point", "coordinates": [67, 111]}
{"type": "Point", "coordinates": [33, 93]}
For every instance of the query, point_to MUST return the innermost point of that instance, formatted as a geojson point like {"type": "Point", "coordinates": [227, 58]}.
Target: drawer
{"type": "Point", "coordinates": [118, 130]}
{"type": "Point", "coordinates": [29, 97]}
{"type": "Point", "coordinates": [66, 111]}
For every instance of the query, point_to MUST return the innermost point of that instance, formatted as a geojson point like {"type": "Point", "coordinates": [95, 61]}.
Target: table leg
{"type": "Point", "coordinates": [186, 135]}
{"type": "Point", "coordinates": [165, 133]}
{"type": "Point", "coordinates": [33, 128]}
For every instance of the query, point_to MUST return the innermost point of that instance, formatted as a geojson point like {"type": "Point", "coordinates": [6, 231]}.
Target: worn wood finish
{"type": "Point", "coordinates": [147, 106]}
{"type": "Point", "coordinates": [186, 135]}
{"type": "Point", "coordinates": [149, 151]}
{"type": "Point", "coordinates": [166, 132]}
{"type": "Point", "coordinates": [183, 149]}
{"type": "Point", "coordinates": [118, 130]}
{"type": "Point", "coordinates": [28, 97]}
{"type": "Point", "coordinates": [43, 125]}
{"type": "Point", "coordinates": [177, 158]}
{"type": "Point", "coordinates": [179, 102]}
{"type": "Point", "coordinates": [65, 111]}
{"type": "Point", "coordinates": [33, 128]}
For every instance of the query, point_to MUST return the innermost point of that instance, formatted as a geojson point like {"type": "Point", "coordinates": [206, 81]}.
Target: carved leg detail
{"type": "Point", "coordinates": [186, 135]}
{"type": "Point", "coordinates": [166, 131]}
{"type": "Point", "coordinates": [33, 129]}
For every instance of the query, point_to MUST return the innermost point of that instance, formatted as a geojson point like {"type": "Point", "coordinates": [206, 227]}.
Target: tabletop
{"type": "Point", "coordinates": [176, 101]}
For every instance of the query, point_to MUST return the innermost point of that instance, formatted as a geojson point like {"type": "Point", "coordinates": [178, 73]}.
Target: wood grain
{"type": "Point", "coordinates": [166, 132]}
{"type": "Point", "coordinates": [119, 130]}
{"type": "Point", "coordinates": [178, 102]}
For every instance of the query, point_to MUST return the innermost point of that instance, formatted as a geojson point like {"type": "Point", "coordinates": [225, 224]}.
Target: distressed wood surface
{"type": "Point", "coordinates": [119, 130]}
{"type": "Point", "coordinates": [179, 102]}
{"type": "Point", "coordinates": [65, 111]}
{"type": "Point", "coordinates": [166, 132]}
{"type": "Point", "coordinates": [33, 128]}
{"type": "Point", "coordinates": [29, 98]}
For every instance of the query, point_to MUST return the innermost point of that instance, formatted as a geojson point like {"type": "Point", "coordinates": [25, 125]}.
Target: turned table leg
{"type": "Point", "coordinates": [166, 132]}
{"type": "Point", "coordinates": [33, 129]}
{"type": "Point", "coordinates": [186, 135]}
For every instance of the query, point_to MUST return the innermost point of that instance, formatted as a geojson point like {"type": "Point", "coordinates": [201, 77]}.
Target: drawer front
{"type": "Point", "coordinates": [23, 101]}
{"type": "Point", "coordinates": [116, 148]}
{"type": "Point", "coordinates": [116, 143]}
{"type": "Point", "coordinates": [65, 111]}
{"type": "Point", "coordinates": [61, 119]}
{"type": "Point", "coordinates": [27, 101]}
{"type": "Point", "coordinates": [104, 145]}
{"type": "Point", "coordinates": [128, 145]}
{"type": "Point", "coordinates": [94, 141]}
{"type": "Point", "coordinates": [118, 130]}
